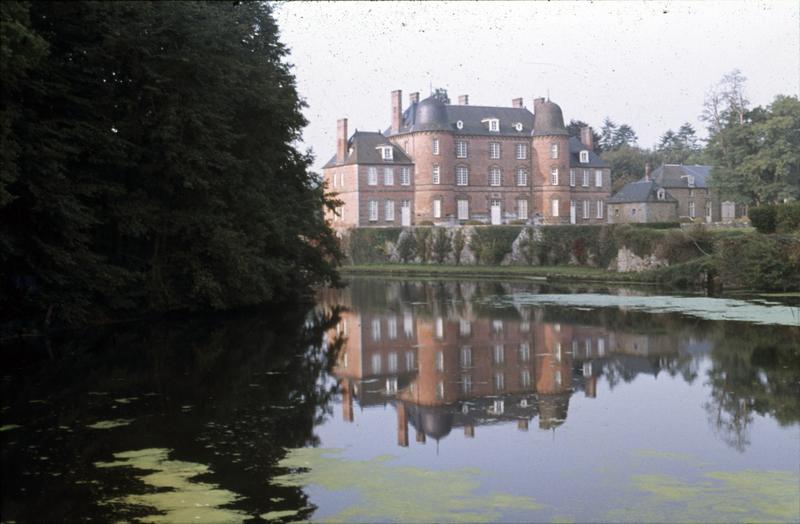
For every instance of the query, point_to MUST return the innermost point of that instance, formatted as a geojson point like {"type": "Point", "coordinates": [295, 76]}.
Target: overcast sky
{"type": "Point", "coordinates": [646, 64]}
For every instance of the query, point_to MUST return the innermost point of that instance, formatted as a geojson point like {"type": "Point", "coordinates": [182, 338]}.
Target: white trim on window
{"type": "Point", "coordinates": [571, 178]}
{"type": "Point", "coordinates": [435, 146]}
{"type": "Point", "coordinates": [373, 210]}
{"type": "Point", "coordinates": [494, 150]}
{"type": "Point", "coordinates": [462, 149]}
{"type": "Point", "coordinates": [522, 176]}
{"type": "Point", "coordinates": [598, 178]}
{"type": "Point", "coordinates": [553, 176]}
{"type": "Point", "coordinates": [585, 209]}
{"type": "Point", "coordinates": [436, 174]}
{"type": "Point", "coordinates": [495, 177]}
{"type": "Point", "coordinates": [599, 209]}
{"type": "Point", "coordinates": [405, 176]}
{"type": "Point", "coordinates": [388, 176]}
{"type": "Point", "coordinates": [554, 204]}
{"type": "Point", "coordinates": [584, 157]}
{"type": "Point", "coordinates": [463, 209]}
{"type": "Point", "coordinates": [554, 151]}
{"type": "Point", "coordinates": [522, 151]}
{"type": "Point", "coordinates": [389, 210]}
{"type": "Point", "coordinates": [585, 178]}
{"type": "Point", "coordinates": [522, 209]}
{"type": "Point", "coordinates": [437, 208]}
{"type": "Point", "coordinates": [372, 176]}
{"type": "Point", "coordinates": [462, 176]}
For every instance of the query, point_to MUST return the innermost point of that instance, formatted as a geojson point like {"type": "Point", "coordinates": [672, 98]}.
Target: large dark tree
{"type": "Point", "coordinates": [155, 168]}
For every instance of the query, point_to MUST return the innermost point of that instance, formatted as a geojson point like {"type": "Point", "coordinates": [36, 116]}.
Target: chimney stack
{"type": "Point", "coordinates": [341, 140]}
{"type": "Point", "coordinates": [647, 176]}
{"type": "Point", "coordinates": [517, 102]}
{"type": "Point", "coordinates": [397, 110]}
{"type": "Point", "coordinates": [587, 138]}
{"type": "Point", "coordinates": [413, 98]}
{"type": "Point", "coordinates": [463, 100]}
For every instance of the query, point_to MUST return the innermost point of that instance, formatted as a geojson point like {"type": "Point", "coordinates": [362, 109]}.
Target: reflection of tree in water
{"type": "Point", "coordinates": [231, 393]}
{"type": "Point", "coordinates": [755, 369]}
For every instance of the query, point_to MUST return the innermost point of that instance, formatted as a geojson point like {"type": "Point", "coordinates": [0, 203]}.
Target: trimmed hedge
{"type": "Point", "coordinates": [757, 261]}
{"type": "Point", "coordinates": [776, 218]}
{"type": "Point", "coordinates": [491, 244]}
{"type": "Point", "coordinates": [368, 245]}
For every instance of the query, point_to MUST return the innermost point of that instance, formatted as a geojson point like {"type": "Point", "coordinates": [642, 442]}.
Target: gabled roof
{"type": "Point", "coordinates": [575, 148]}
{"type": "Point", "coordinates": [363, 149]}
{"type": "Point", "coordinates": [433, 115]}
{"type": "Point", "coordinates": [639, 191]}
{"type": "Point", "coordinates": [676, 175]}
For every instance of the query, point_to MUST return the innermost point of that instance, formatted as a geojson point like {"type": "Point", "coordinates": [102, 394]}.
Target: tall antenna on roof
{"type": "Point", "coordinates": [430, 86]}
{"type": "Point", "coordinates": [548, 94]}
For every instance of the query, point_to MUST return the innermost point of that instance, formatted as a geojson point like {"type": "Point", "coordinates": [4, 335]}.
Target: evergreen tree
{"type": "Point", "coordinates": [574, 129]}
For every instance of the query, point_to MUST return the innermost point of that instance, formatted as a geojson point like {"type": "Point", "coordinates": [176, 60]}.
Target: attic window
{"type": "Point", "coordinates": [584, 157]}
{"type": "Point", "coordinates": [661, 194]}
{"type": "Point", "coordinates": [460, 124]}
{"type": "Point", "coordinates": [518, 126]}
{"type": "Point", "coordinates": [494, 124]}
{"type": "Point", "coordinates": [689, 180]}
{"type": "Point", "coordinates": [387, 152]}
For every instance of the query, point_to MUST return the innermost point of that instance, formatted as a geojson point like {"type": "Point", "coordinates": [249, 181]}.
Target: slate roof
{"type": "Point", "coordinates": [639, 191]}
{"type": "Point", "coordinates": [575, 148]}
{"type": "Point", "coordinates": [362, 148]}
{"type": "Point", "coordinates": [675, 175]}
{"type": "Point", "coordinates": [548, 119]}
{"type": "Point", "coordinates": [432, 115]}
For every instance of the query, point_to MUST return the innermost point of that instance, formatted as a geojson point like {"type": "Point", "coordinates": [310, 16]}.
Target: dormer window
{"type": "Point", "coordinates": [460, 124]}
{"type": "Point", "coordinates": [387, 152]}
{"type": "Point", "coordinates": [661, 194]}
{"type": "Point", "coordinates": [689, 180]}
{"type": "Point", "coordinates": [584, 157]}
{"type": "Point", "coordinates": [518, 126]}
{"type": "Point", "coordinates": [494, 124]}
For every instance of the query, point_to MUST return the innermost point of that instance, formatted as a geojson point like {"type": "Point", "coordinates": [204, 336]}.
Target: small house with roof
{"type": "Point", "coordinates": [642, 201]}
{"type": "Point", "coordinates": [689, 186]}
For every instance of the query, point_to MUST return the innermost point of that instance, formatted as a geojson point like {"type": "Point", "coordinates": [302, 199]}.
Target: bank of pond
{"type": "Point", "coordinates": [679, 257]}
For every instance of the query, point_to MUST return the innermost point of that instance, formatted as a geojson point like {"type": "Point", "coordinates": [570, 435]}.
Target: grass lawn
{"type": "Point", "coordinates": [572, 273]}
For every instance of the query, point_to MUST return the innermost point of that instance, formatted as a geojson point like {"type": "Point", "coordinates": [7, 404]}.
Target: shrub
{"type": "Point", "coordinates": [406, 247]}
{"type": "Point", "coordinates": [759, 261]}
{"type": "Point", "coordinates": [657, 225]}
{"type": "Point", "coordinates": [492, 244]}
{"type": "Point", "coordinates": [787, 217]}
{"type": "Point", "coordinates": [441, 245]}
{"type": "Point", "coordinates": [368, 245]}
{"type": "Point", "coordinates": [763, 218]}
{"type": "Point", "coordinates": [458, 245]}
{"type": "Point", "coordinates": [423, 247]}
{"type": "Point", "coordinates": [474, 223]}
{"type": "Point", "coordinates": [641, 241]}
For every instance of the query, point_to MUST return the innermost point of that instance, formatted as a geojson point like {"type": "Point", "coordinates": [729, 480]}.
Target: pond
{"type": "Point", "coordinates": [415, 401]}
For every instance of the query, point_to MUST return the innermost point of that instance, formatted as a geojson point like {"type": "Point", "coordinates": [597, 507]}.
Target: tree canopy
{"type": "Point", "coordinates": [149, 161]}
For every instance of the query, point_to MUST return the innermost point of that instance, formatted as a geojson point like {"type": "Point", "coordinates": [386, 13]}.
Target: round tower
{"type": "Point", "coordinates": [550, 151]}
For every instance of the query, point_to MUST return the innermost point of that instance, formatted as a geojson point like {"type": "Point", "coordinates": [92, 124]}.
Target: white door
{"type": "Point", "coordinates": [405, 213]}
{"type": "Point", "coordinates": [572, 212]}
{"type": "Point", "coordinates": [496, 219]}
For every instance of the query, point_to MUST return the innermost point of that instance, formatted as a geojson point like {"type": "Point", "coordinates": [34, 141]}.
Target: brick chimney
{"type": "Point", "coordinates": [463, 100]}
{"type": "Point", "coordinates": [413, 98]}
{"type": "Point", "coordinates": [341, 140]}
{"type": "Point", "coordinates": [587, 138]}
{"type": "Point", "coordinates": [647, 176]}
{"type": "Point", "coordinates": [517, 102]}
{"type": "Point", "coordinates": [537, 102]}
{"type": "Point", "coordinates": [397, 110]}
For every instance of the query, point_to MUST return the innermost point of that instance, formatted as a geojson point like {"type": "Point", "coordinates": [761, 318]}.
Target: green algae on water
{"type": "Point", "coordinates": [179, 499]}
{"type": "Point", "coordinates": [751, 496]}
{"type": "Point", "coordinates": [110, 424]}
{"type": "Point", "coordinates": [403, 494]}
{"type": "Point", "coordinates": [9, 427]}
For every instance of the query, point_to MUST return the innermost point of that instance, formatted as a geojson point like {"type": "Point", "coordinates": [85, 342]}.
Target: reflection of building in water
{"type": "Point", "coordinates": [444, 368]}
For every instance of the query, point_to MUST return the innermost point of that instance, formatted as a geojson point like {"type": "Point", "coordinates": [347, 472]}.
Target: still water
{"type": "Point", "coordinates": [415, 401]}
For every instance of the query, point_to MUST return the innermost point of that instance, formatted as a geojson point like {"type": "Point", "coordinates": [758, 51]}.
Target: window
{"type": "Point", "coordinates": [661, 194]}
{"type": "Point", "coordinates": [387, 152]}
{"type": "Point", "coordinates": [405, 176]}
{"type": "Point", "coordinates": [437, 208]}
{"type": "Point", "coordinates": [553, 176]}
{"type": "Point", "coordinates": [633, 211]}
{"type": "Point", "coordinates": [499, 385]}
{"type": "Point", "coordinates": [499, 355]}
{"type": "Point", "coordinates": [460, 124]}
{"type": "Point", "coordinates": [376, 364]}
{"type": "Point", "coordinates": [522, 209]}
{"type": "Point", "coordinates": [571, 178]}
{"type": "Point", "coordinates": [466, 357]}
{"type": "Point", "coordinates": [522, 151]}
{"type": "Point", "coordinates": [405, 146]}
{"type": "Point", "coordinates": [522, 176]}
{"type": "Point", "coordinates": [601, 347]}
{"type": "Point", "coordinates": [391, 328]}
{"type": "Point", "coordinates": [436, 174]}
{"type": "Point", "coordinates": [409, 360]}
{"type": "Point", "coordinates": [585, 178]}
{"type": "Point", "coordinates": [584, 157]}
{"type": "Point", "coordinates": [494, 124]}
{"type": "Point", "coordinates": [466, 385]}
{"type": "Point", "coordinates": [518, 126]}
{"type": "Point", "coordinates": [525, 378]}
{"type": "Point", "coordinates": [463, 209]}
{"type": "Point", "coordinates": [461, 149]}
{"type": "Point", "coordinates": [599, 209]}
{"type": "Point", "coordinates": [708, 210]}
{"type": "Point", "coordinates": [524, 352]}
{"type": "Point", "coordinates": [554, 207]}
{"type": "Point", "coordinates": [616, 212]}
{"type": "Point", "coordinates": [598, 178]}
{"type": "Point", "coordinates": [497, 326]}
{"type": "Point", "coordinates": [390, 210]}
{"type": "Point", "coordinates": [464, 328]}
{"type": "Point", "coordinates": [439, 326]}
{"type": "Point", "coordinates": [495, 179]}
{"type": "Point", "coordinates": [554, 151]}
{"type": "Point", "coordinates": [376, 329]}
{"type": "Point", "coordinates": [435, 146]}
{"type": "Point", "coordinates": [408, 324]}
{"type": "Point", "coordinates": [372, 176]}
{"type": "Point", "coordinates": [388, 176]}
{"type": "Point", "coordinates": [585, 209]}
{"type": "Point", "coordinates": [691, 209]}
{"type": "Point", "coordinates": [373, 210]}
{"type": "Point", "coordinates": [341, 180]}
{"type": "Point", "coordinates": [494, 150]}
{"type": "Point", "coordinates": [439, 361]}
{"type": "Point", "coordinates": [333, 180]}
{"type": "Point", "coordinates": [462, 176]}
